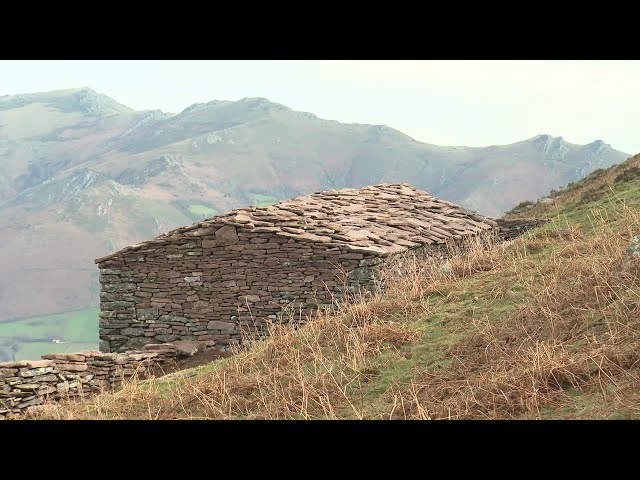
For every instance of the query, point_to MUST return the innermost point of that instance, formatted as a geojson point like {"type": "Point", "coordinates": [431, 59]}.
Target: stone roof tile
{"type": "Point", "coordinates": [378, 219]}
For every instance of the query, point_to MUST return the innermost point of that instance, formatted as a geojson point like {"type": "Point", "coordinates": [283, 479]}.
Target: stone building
{"type": "Point", "coordinates": [223, 277]}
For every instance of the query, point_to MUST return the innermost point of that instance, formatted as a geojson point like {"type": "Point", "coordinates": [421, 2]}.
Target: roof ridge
{"type": "Point", "coordinates": [381, 213]}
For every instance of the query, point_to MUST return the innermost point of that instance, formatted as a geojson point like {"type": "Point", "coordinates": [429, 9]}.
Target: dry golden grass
{"type": "Point", "coordinates": [546, 326]}
{"type": "Point", "coordinates": [574, 338]}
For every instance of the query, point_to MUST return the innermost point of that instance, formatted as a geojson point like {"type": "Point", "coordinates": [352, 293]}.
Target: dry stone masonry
{"type": "Point", "coordinates": [510, 229]}
{"type": "Point", "coordinates": [224, 279]}
{"type": "Point", "coordinates": [29, 384]}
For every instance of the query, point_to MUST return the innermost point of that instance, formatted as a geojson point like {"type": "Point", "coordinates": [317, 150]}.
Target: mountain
{"type": "Point", "coordinates": [82, 175]}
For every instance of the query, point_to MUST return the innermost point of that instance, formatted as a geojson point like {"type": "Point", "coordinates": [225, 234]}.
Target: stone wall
{"type": "Point", "coordinates": [27, 384]}
{"type": "Point", "coordinates": [225, 283]}
{"type": "Point", "coordinates": [220, 287]}
{"type": "Point", "coordinates": [510, 229]}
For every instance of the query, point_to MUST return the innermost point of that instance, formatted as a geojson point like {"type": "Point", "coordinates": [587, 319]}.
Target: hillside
{"type": "Point", "coordinates": [82, 176]}
{"type": "Point", "coordinates": [543, 327]}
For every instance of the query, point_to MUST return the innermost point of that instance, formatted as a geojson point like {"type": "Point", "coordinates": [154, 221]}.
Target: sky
{"type": "Point", "coordinates": [473, 103]}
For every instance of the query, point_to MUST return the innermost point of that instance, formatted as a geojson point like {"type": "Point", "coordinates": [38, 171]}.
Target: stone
{"type": "Point", "coordinates": [139, 342]}
{"type": "Point", "coordinates": [147, 314]}
{"type": "Point", "coordinates": [132, 332]}
{"type": "Point", "coordinates": [633, 251]}
{"type": "Point", "coordinates": [370, 261]}
{"type": "Point", "coordinates": [114, 323]}
{"type": "Point", "coordinates": [209, 243]}
{"type": "Point", "coordinates": [119, 287]}
{"type": "Point", "coordinates": [240, 218]}
{"type": "Point", "coordinates": [72, 367]}
{"type": "Point", "coordinates": [249, 298]}
{"type": "Point", "coordinates": [369, 250]}
{"type": "Point", "coordinates": [13, 364]}
{"type": "Point", "coordinates": [187, 348]}
{"type": "Point", "coordinates": [89, 353]}
{"type": "Point", "coordinates": [445, 269]}
{"type": "Point", "coordinates": [360, 273]}
{"type": "Point", "coordinates": [27, 386]}
{"type": "Point", "coordinates": [166, 338]}
{"type": "Point", "coordinates": [46, 389]}
{"type": "Point", "coordinates": [124, 306]}
{"type": "Point", "coordinates": [167, 352]}
{"type": "Point", "coordinates": [109, 271]}
{"type": "Point", "coordinates": [66, 386]}
{"type": "Point", "coordinates": [142, 356]}
{"type": "Point", "coordinates": [28, 403]}
{"type": "Point", "coordinates": [218, 325]}
{"type": "Point", "coordinates": [105, 357]}
{"type": "Point", "coordinates": [67, 357]}
{"type": "Point", "coordinates": [36, 371]}
{"type": "Point", "coordinates": [39, 363]}
{"type": "Point", "coordinates": [173, 318]}
{"type": "Point", "coordinates": [160, 346]}
{"type": "Point", "coordinates": [200, 232]}
{"type": "Point", "coordinates": [226, 235]}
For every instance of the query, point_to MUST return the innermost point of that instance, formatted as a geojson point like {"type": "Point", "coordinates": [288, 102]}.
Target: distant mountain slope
{"type": "Point", "coordinates": [82, 176]}
{"type": "Point", "coordinates": [604, 189]}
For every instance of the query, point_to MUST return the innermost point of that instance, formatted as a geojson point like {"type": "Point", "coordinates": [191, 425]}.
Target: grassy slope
{"type": "Point", "coordinates": [543, 327]}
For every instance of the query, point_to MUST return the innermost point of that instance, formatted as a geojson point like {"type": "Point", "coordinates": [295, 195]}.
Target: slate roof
{"type": "Point", "coordinates": [378, 219]}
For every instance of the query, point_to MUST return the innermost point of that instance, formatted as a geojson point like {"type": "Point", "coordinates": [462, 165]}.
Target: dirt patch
{"type": "Point", "coordinates": [183, 363]}
{"type": "Point", "coordinates": [201, 358]}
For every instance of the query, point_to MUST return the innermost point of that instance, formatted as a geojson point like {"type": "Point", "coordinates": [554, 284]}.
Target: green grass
{"type": "Point", "coordinates": [32, 337]}
{"type": "Point", "coordinates": [261, 200]}
{"type": "Point", "coordinates": [446, 323]}
{"type": "Point", "coordinates": [600, 202]}
{"type": "Point", "coordinates": [202, 211]}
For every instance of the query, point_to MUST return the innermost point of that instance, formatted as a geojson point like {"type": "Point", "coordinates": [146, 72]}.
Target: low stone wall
{"type": "Point", "coordinates": [27, 384]}
{"type": "Point", "coordinates": [510, 229]}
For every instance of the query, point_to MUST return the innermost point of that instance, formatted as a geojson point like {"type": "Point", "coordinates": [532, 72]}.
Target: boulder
{"type": "Point", "coordinates": [226, 235]}
{"type": "Point", "coordinates": [188, 348]}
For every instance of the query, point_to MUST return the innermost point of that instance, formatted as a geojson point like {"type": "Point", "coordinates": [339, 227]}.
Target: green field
{"type": "Point", "coordinates": [261, 200]}
{"type": "Point", "coordinates": [202, 211]}
{"type": "Point", "coordinates": [29, 338]}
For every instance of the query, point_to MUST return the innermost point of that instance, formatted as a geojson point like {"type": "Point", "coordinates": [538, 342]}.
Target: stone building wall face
{"type": "Point", "coordinates": [192, 288]}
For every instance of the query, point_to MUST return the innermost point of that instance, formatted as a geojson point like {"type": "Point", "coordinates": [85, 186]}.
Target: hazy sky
{"type": "Point", "coordinates": [474, 103]}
